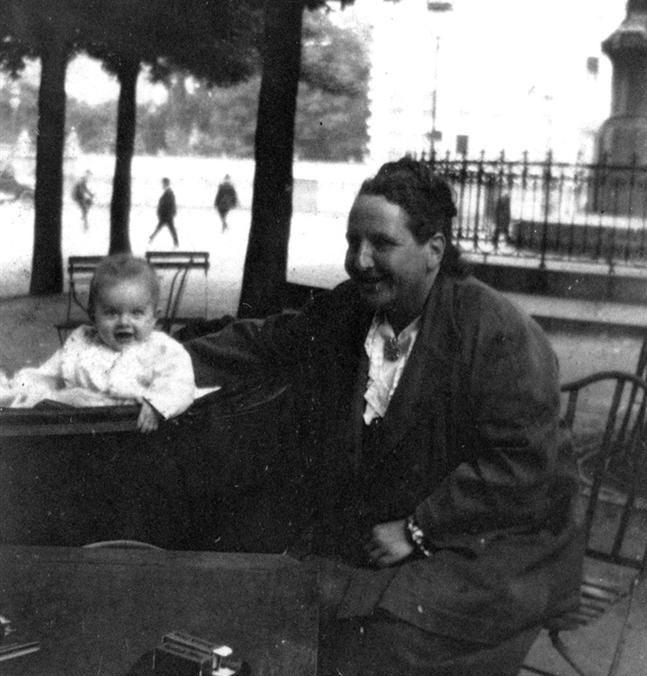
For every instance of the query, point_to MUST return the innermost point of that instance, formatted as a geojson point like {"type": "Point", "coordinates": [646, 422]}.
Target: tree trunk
{"type": "Point", "coordinates": [267, 250]}
{"type": "Point", "coordinates": [47, 258]}
{"type": "Point", "coordinates": [124, 151]}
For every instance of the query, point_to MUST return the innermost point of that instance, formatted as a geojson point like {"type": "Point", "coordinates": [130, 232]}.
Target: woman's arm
{"type": "Point", "coordinates": [509, 433]}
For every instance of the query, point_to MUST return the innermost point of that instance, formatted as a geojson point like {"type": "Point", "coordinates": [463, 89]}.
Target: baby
{"type": "Point", "coordinates": [121, 358]}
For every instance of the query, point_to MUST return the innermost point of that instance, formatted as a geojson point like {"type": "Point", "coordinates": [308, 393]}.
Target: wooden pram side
{"type": "Point", "coordinates": [205, 480]}
{"type": "Point", "coordinates": [28, 422]}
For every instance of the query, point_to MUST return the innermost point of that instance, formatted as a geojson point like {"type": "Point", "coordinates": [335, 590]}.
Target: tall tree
{"type": "Point", "coordinates": [127, 73]}
{"type": "Point", "coordinates": [47, 262]}
{"type": "Point", "coordinates": [265, 269]}
{"type": "Point", "coordinates": [264, 273]}
{"type": "Point", "coordinates": [50, 36]}
{"type": "Point", "coordinates": [52, 30]}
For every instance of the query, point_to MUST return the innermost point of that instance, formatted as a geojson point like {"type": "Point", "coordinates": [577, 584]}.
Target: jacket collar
{"type": "Point", "coordinates": [422, 375]}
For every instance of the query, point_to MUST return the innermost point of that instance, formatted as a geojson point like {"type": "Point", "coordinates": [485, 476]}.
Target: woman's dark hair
{"type": "Point", "coordinates": [428, 200]}
{"type": "Point", "coordinates": [119, 267]}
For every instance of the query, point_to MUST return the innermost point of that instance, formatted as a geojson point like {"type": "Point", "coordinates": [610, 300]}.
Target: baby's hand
{"type": "Point", "coordinates": [148, 420]}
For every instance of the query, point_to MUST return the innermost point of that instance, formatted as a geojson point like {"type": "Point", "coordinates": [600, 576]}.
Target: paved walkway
{"type": "Point", "coordinates": [581, 312]}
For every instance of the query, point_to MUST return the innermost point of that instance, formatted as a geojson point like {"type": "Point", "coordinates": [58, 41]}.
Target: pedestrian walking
{"type": "Point", "coordinates": [84, 197]}
{"type": "Point", "coordinates": [226, 200]}
{"type": "Point", "coordinates": [501, 219]}
{"type": "Point", "coordinates": [166, 211]}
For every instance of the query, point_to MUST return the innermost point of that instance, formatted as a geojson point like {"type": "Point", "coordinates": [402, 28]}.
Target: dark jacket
{"type": "Point", "coordinates": [470, 444]}
{"type": "Point", "coordinates": [81, 194]}
{"type": "Point", "coordinates": [226, 197]}
{"type": "Point", "coordinates": [166, 208]}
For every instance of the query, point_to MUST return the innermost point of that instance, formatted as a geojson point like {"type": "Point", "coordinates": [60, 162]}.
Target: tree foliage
{"type": "Point", "coordinates": [215, 38]}
{"type": "Point", "coordinates": [203, 119]}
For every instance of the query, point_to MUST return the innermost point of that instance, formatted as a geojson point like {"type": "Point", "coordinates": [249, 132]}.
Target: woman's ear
{"type": "Point", "coordinates": [436, 246]}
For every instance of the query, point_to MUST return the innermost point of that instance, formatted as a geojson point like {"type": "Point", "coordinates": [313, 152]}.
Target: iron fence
{"type": "Point", "coordinates": [548, 210]}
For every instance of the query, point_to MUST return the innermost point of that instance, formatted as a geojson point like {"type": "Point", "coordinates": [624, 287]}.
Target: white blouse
{"type": "Point", "coordinates": [384, 373]}
{"type": "Point", "coordinates": [158, 370]}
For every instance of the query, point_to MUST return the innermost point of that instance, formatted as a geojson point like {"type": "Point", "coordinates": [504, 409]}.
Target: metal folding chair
{"type": "Point", "coordinates": [181, 262]}
{"type": "Point", "coordinates": [79, 273]}
{"type": "Point", "coordinates": [605, 413]}
{"type": "Point", "coordinates": [641, 366]}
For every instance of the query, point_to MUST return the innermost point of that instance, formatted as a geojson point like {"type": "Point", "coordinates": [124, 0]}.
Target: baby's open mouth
{"type": "Point", "coordinates": [123, 336]}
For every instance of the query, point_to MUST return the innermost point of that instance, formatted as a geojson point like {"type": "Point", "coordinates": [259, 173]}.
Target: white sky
{"type": "Point", "coordinates": [86, 80]}
{"type": "Point", "coordinates": [511, 35]}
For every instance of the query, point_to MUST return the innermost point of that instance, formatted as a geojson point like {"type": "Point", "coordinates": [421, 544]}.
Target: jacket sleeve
{"type": "Point", "coordinates": [506, 413]}
{"type": "Point", "coordinates": [249, 347]}
{"type": "Point", "coordinates": [275, 345]}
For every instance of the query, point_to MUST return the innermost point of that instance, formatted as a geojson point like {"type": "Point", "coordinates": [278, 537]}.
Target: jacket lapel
{"type": "Point", "coordinates": [424, 373]}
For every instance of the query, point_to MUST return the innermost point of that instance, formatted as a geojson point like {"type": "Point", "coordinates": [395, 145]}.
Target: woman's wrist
{"type": "Point", "coordinates": [416, 536]}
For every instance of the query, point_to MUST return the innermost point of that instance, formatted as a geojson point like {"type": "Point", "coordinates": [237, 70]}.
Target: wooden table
{"type": "Point", "coordinates": [102, 611]}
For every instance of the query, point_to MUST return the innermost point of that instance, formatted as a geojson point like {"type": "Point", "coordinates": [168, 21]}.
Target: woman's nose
{"type": "Point", "coordinates": [364, 256]}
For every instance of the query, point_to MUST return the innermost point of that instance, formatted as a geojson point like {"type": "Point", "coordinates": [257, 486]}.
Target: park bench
{"type": "Point", "coordinates": [80, 270]}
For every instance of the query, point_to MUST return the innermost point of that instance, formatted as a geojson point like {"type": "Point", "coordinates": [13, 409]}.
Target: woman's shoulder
{"type": "Point", "coordinates": [479, 299]}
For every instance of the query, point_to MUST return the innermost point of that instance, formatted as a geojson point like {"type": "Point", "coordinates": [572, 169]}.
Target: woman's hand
{"type": "Point", "coordinates": [148, 420]}
{"type": "Point", "coordinates": [389, 543]}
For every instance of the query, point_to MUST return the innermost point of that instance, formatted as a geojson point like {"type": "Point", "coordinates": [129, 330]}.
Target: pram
{"type": "Point", "coordinates": [73, 476]}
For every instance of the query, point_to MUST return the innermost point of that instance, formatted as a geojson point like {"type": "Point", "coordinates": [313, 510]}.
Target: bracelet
{"type": "Point", "coordinates": [416, 536]}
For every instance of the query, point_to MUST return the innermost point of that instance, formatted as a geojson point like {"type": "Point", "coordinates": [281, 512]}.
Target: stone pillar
{"type": "Point", "coordinates": [622, 139]}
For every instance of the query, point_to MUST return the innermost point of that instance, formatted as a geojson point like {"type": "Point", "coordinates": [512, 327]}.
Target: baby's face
{"type": "Point", "coordinates": [124, 313]}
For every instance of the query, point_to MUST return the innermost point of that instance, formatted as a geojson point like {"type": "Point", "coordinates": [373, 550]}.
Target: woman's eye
{"type": "Point", "coordinates": [381, 244]}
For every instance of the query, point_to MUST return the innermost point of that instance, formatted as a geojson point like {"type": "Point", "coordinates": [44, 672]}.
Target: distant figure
{"type": "Point", "coordinates": [501, 219]}
{"type": "Point", "coordinates": [166, 211]}
{"type": "Point", "coordinates": [226, 199]}
{"type": "Point", "coordinates": [83, 196]}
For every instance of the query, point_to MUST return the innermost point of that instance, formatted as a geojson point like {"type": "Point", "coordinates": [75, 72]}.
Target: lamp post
{"type": "Point", "coordinates": [14, 102]}
{"type": "Point", "coordinates": [434, 98]}
{"type": "Point", "coordinates": [437, 7]}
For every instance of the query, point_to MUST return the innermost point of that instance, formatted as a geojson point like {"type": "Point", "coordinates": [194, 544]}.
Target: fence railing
{"type": "Point", "coordinates": [550, 211]}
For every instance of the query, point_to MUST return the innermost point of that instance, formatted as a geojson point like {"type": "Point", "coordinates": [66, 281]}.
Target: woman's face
{"type": "Point", "coordinates": [393, 270]}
